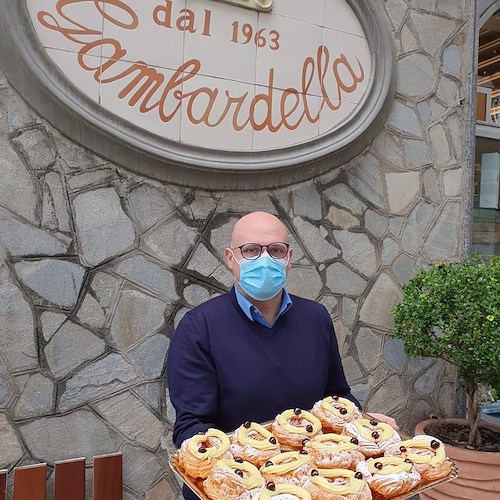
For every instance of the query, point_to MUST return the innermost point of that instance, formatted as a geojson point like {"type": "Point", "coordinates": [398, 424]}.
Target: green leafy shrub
{"type": "Point", "coordinates": [452, 311]}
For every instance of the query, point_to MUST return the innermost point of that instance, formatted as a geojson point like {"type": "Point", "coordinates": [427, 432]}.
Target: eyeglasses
{"type": "Point", "coordinates": [252, 251]}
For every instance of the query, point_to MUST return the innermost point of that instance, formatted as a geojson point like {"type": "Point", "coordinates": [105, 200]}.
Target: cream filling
{"type": "Point", "coordinates": [285, 489]}
{"type": "Point", "coordinates": [253, 478]}
{"type": "Point", "coordinates": [213, 451]}
{"type": "Point", "coordinates": [334, 406]}
{"type": "Point", "coordinates": [332, 442]}
{"type": "Point", "coordinates": [355, 485]}
{"type": "Point", "coordinates": [365, 429]}
{"type": "Point", "coordinates": [259, 444]}
{"type": "Point", "coordinates": [433, 458]}
{"type": "Point", "coordinates": [286, 462]}
{"type": "Point", "coordinates": [289, 414]}
{"type": "Point", "coordinates": [390, 465]}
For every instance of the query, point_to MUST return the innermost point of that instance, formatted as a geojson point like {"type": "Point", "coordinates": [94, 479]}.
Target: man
{"type": "Point", "coordinates": [255, 351]}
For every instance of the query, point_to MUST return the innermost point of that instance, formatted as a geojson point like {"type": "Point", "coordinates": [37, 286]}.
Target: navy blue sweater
{"type": "Point", "coordinates": [224, 369]}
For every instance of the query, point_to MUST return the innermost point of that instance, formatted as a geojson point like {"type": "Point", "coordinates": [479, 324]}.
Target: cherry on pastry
{"type": "Point", "coordinates": [373, 422]}
{"type": "Point", "coordinates": [297, 411]}
{"type": "Point", "coordinates": [378, 465]}
{"type": "Point", "coordinates": [354, 441]}
{"type": "Point", "coordinates": [358, 475]}
{"type": "Point", "coordinates": [269, 463]}
{"type": "Point", "coordinates": [402, 449]}
{"type": "Point", "coordinates": [239, 472]}
{"type": "Point", "coordinates": [303, 452]}
{"type": "Point", "coordinates": [314, 472]}
{"type": "Point", "coordinates": [304, 441]}
{"type": "Point", "coordinates": [271, 486]}
{"type": "Point", "coordinates": [247, 425]}
{"type": "Point", "coordinates": [343, 411]}
{"type": "Point", "coordinates": [202, 449]}
{"type": "Point", "coordinates": [375, 435]}
{"type": "Point", "coordinates": [408, 461]}
{"type": "Point", "coordinates": [309, 428]}
{"type": "Point", "coordinates": [435, 444]}
{"type": "Point", "coordinates": [335, 398]}
{"type": "Point", "coordinates": [239, 460]}
{"type": "Point", "coordinates": [272, 440]}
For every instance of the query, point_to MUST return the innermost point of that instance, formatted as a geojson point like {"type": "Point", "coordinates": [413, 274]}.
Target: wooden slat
{"type": "Point", "coordinates": [108, 477]}
{"type": "Point", "coordinates": [69, 479]}
{"type": "Point", "coordinates": [29, 482]}
{"type": "Point", "coordinates": [3, 484]}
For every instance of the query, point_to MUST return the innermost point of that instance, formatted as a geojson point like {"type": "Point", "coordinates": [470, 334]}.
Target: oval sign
{"type": "Point", "coordinates": [208, 85]}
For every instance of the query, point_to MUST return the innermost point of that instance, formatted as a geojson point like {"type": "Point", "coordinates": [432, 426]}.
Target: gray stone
{"type": "Point", "coordinates": [320, 249]}
{"type": "Point", "coordinates": [383, 296]}
{"type": "Point", "coordinates": [427, 25]}
{"type": "Point", "coordinates": [417, 366]}
{"type": "Point", "coordinates": [416, 84]}
{"type": "Point", "coordinates": [104, 376]}
{"type": "Point", "coordinates": [394, 354]}
{"type": "Point", "coordinates": [140, 468]}
{"type": "Point", "coordinates": [162, 491]}
{"type": "Point", "coordinates": [17, 189]}
{"type": "Point", "coordinates": [196, 295]}
{"type": "Point", "coordinates": [151, 394]}
{"type": "Point", "coordinates": [456, 129]}
{"type": "Point", "coordinates": [342, 332]}
{"type": "Point", "coordinates": [404, 119]}
{"type": "Point", "coordinates": [242, 202]}
{"type": "Point", "coordinates": [396, 9]}
{"type": "Point", "coordinates": [37, 398]}
{"type": "Point", "coordinates": [451, 8]}
{"type": "Point", "coordinates": [22, 239]}
{"type": "Point", "coordinates": [11, 450]}
{"type": "Point", "coordinates": [171, 415]}
{"type": "Point", "coordinates": [202, 206]}
{"type": "Point", "coordinates": [388, 148]}
{"type": "Point", "coordinates": [361, 392]}
{"type": "Point", "coordinates": [57, 281]}
{"type": "Point", "coordinates": [402, 188]}
{"type": "Point", "coordinates": [425, 112]}
{"type": "Point", "coordinates": [357, 251]}
{"type": "Point", "coordinates": [452, 61]}
{"type": "Point", "coordinates": [37, 148]}
{"type": "Point", "coordinates": [79, 434]}
{"type": "Point", "coordinates": [409, 42]}
{"type": "Point", "coordinates": [395, 225]}
{"type": "Point", "coordinates": [416, 226]}
{"type": "Point", "coordinates": [389, 398]}
{"type": "Point", "coordinates": [417, 153]}
{"type": "Point", "coordinates": [448, 91]}
{"type": "Point", "coordinates": [431, 185]}
{"type": "Point", "coordinates": [17, 330]}
{"type": "Point", "coordinates": [149, 275]}
{"type": "Point", "coordinates": [368, 348]}
{"type": "Point", "coordinates": [51, 322]}
{"type": "Point", "coordinates": [171, 241]}
{"type": "Point", "coordinates": [130, 417]}
{"type": "Point", "coordinates": [390, 249]}
{"type": "Point", "coordinates": [206, 264]}
{"type": "Point", "coordinates": [102, 227]}
{"type": "Point", "coordinates": [179, 315]}
{"type": "Point", "coordinates": [304, 281]}
{"type": "Point", "coordinates": [352, 370]}
{"type": "Point", "coordinates": [91, 313]}
{"type": "Point", "coordinates": [341, 195]}
{"type": "Point", "coordinates": [349, 310]}
{"type": "Point", "coordinates": [149, 205]}
{"type": "Point", "coordinates": [91, 179]}
{"type": "Point", "coordinates": [19, 114]}
{"type": "Point", "coordinates": [443, 240]}
{"type": "Point", "coordinates": [149, 357]}
{"type": "Point", "coordinates": [330, 302]}
{"type": "Point", "coordinates": [437, 109]}
{"type": "Point", "coordinates": [340, 279]}
{"type": "Point", "coordinates": [106, 288]}
{"type": "Point", "coordinates": [342, 218]}
{"type": "Point", "coordinates": [71, 346]}
{"type": "Point", "coordinates": [59, 201]}
{"type": "Point", "coordinates": [365, 177]}
{"type": "Point", "coordinates": [453, 182]}
{"type": "Point", "coordinates": [136, 317]}
{"type": "Point", "coordinates": [74, 157]}
{"type": "Point", "coordinates": [298, 256]}
{"type": "Point", "coordinates": [404, 268]}
{"type": "Point", "coordinates": [446, 398]}
{"type": "Point", "coordinates": [376, 223]}
{"type": "Point", "coordinates": [426, 383]}
{"type": "Point", "coordinates": [220, 237]}
{"type": "Point", "coordinates": [307, 201]}
{"type": "Point", "coordinates": [8, 389]}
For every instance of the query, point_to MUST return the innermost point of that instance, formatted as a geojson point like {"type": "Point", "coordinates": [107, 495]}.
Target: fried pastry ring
{"type": "Point", "coordinates": [427, 454]}
{"type": "Point", "coordinates": [334, 451]}
{"type": "Point", "coordinates": [254, 443]}
{"type": "Point", "coordinates": [288, 491]}
{"type": "Point", "coordinates": [232, 480]}
{"type": "Point", "coordinates": [199, 453]}
{"type": "Point", "coordinates": [373, 436]}
{"type": "Point", "coordinates": [337, 484]}
{"type": "Point", "coordinates": [334, 412]}
{"type": "Point", "coordinates": [292, 426]}
{"type": "Point", "coordinates": [291, 467]}
{"type": "Point", "coordinates": [389, 476]}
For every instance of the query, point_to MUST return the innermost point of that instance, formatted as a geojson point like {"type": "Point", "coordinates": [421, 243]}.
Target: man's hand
{"type": "Point", "coordinates": [384, 418]}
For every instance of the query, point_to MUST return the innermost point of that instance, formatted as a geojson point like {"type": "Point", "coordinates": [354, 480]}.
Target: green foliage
{"type": "Point", "coordinates": [452, 311]}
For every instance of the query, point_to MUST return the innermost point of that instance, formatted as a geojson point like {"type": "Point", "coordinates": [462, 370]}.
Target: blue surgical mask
{"type": "Point", "coordinates": [262, 278]}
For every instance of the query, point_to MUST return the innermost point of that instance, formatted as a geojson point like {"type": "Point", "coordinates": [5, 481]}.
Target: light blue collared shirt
{"type": "Point", "coordinates": [255, 315]}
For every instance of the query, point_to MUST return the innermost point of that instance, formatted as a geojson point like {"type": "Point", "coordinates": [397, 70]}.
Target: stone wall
{"type": "Point", "coordinates": [99, 265]}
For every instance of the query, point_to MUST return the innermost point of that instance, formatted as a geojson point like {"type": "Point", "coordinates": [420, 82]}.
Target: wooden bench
{"type": "Point", "coordinates": [69, 480]}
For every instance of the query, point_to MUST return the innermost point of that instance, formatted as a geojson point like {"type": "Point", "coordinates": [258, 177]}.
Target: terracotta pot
{"type": "Point", "coordinates": [478, 471]}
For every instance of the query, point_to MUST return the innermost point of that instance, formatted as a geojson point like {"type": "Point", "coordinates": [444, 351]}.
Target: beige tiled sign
{"type": "Point", "coordinates": [211, 73]}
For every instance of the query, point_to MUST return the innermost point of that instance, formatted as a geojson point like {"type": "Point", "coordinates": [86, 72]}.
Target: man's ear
{"type": "Point", "coordinates": [290, 255]}
{"type": "Point", "coordinates": [229, 258]}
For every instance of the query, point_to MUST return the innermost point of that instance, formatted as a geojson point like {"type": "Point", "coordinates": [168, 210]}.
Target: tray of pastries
{"type": "Point", "coordinates": [331, 451]}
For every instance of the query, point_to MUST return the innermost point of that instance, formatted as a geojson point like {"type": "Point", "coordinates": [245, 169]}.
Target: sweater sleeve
{"type": "Point", "coordinates": [192, 380]}
{"type": "Point", "coordinates": [337, 383]}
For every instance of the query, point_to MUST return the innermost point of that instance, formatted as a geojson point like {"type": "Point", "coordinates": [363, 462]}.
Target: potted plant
{"type": "Point", "coordinates": [452, 311]}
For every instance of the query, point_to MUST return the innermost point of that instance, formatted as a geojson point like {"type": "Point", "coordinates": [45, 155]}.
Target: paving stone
{"type": "Point", "coordinates": [8, 389]}
{"type": "Point", "coordinates": [453, 182]}
{"type": "Point", "coordinates": [140, 468]}
{"type": "Point", "coordinates": [78, 434]}
{"type": "Point", "coordinates": [149, 205]}
{"type": "Point", "coordinates": [456, 129]}
{"type": "Point", "coordinates": [396, 9]}
{"type": "Point", "coordinates": [17, 334]}
{"type": "Point", "coordinates": [58, 194]}
{"type": "Point", "coordinates": [196, 295]}
{"type": "Point", "coordinates": [446, 398]}
{"type": "Point", "coordinates": [416, 226]}
{"type": "Point", "coordinates": [451, 8]}
{"type": "Point", "coordinates": [179, 315]}
{"type": "Point", "coordinates": [91, 313]}
{"type": "Point", "coordinates": [92, 179]}
{"type": "Point", "coordinates": [425, 112]}
{"type": "Point", "coordinates": [152, 394]}
{"type": "Point", "coordinates": [102, 227]}
{"type": "Point", "coordinates": [131, 417]}
{"type": "Point", "coordinates": [71, 346]}
{"type": "Point", "coordinates": [106, 288]}
{"type": "Point", "coordinates": [361, 391]}
{"type": "Point", "coordinates": [340, 279]}
{"type": "Point", "coordinates": [22, 239]}
{"type": "Point", "coordinates": [57, 281]}
{"type": "Point", "coordinates": [320, 249]}
{"type": "Point", "coordinates": [37, 398]}
{"type": "Point", "coordinates": [389, 148]}
{"type": "Point", "coordinates": [418, 366]}
{"type": "Point", "coordinates": [150, 275]}
{"type": "Point", "coordinates": [437, 109]}
{"type": "Point", "coordinates": [243, 202]}
{"type": "Point", "coordinates": [409, 42]}
{"type": "Point", "coordinates": [389, 398]}
{"type": "Point", "coordinates": [330, 302]}
{"type": "Point", "coordinates": [452, 61]}
{"type": "Point", "coordinates": [171, 415]}
{"type": "Point", "coordinates": [402, 188]}
{"type": "Point", "coordinates": [37, 148]}
{"type": "Point", "coordinates": [343, 334]}
{"type": "Point", "coordinates": [149, 357]}
{"type": "Point", "coordinates": [352, 370]}
{"type": "Point", "coordinates": [383, 296]}
{"type": "Point", "coordinates": [51, 321]}
{"type": "Point", "coordinates": [341, 195]}
{"type": "Point", "coordinates": [395, 225]}
{"type": "Point", "coordinates": [307, 202]}
{"type": "Point", "coordinates": [74, 157]}
{"type": "Point", "coordinates": [220, 237]}
{"type": "Point", "coordinates": [427, 25]}
{"type": "Point", "coordinates": [376, 223]}
{"type": "Point", "coordinates": [136, 317]}
{"type": "Point", "coordinates": [205, 263]}
{"type": "Point", "coordinates": [431, 186]}
{"type": "Point", "coordinates": [202, 206]}
{"type": "Point", "coordinates": [101, 378]}
{"type": "Point", "coordinates": [404, 119]}
{"type": "Point", "coordinates": [394, 353]}
{"type": "Point", "coordinates": [365, 178]}
{"type": "Point", "coordinates": [298, 256]}
{"type": "Point", "coordinates": [358, 251]}
{"type": "Point", "coordinates": [426, 383]}
{"type": "Point", "coordinates": [368, 348]}
{"type": "Point", "coordinates": [404, 268]}
{"type": "Point", "coordinates": [443, 240]}
{"type": "Point", "coordinates": [448, 91]}
{"type": "Point", "coordinates": [342, 218]}
{"type": "Point", "coordinates": [304, 281]}
{"type": "Point", "coordinates": [417, 153]}
{"type": "Point", "coordinates": [416, 84]}
{"type": "Point", "coordinates": [390, 249]}
{"type": "Point", "coordinates": [11, 450]}
{"type": "Point", "coordinates": [17, 189]}
{"type": "Point", "coordinates": [349, 310]}
{"type": "Point", "coordinates": [171, 241]}
{"type": "Point", "coordinates": [162, 491]}
{"type": "Point", "coordinates": [18, 113]}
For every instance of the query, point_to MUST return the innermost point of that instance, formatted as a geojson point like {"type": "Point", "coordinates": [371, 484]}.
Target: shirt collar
{"type": "Point", "coordinates": [253, 313]}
